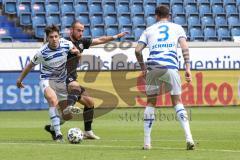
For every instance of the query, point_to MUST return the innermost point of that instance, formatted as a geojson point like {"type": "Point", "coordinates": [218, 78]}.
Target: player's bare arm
{"type": "Point", "coordinates": [74, 50]}
{"type": "Point", "coordinates": [105, 39]}
{"type": "Point", "coordinates": [139, 56]}
{"type": "Point", "coordinates": [186, 57]}
{"type": "Point", "coordinates": [23, 74]}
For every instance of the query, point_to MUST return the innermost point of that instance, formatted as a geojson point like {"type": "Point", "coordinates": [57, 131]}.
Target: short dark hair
{"type": "Point", "coordinates": [162, 11]}
{"type": "Point", "coordinates": [74, 23]}
{"type": "Point", "coordinates": [51, 28]}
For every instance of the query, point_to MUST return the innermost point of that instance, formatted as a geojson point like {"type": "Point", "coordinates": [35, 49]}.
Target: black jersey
{"type": "Point", "coordinates": [73, 60]}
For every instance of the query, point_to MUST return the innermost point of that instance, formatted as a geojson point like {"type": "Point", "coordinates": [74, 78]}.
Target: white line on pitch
{"type": "Point", "coordinates": [109, 146]}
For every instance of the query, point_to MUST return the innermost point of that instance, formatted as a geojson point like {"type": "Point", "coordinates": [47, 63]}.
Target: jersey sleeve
{"type": "Point", "coordinates": [143, 38]}
{"type": "Point", "coordinates": [181, 33]}
{"type": "Point", "coordinates": [86, 42]}
{"type": "Point", "coordinates": [37, 58]}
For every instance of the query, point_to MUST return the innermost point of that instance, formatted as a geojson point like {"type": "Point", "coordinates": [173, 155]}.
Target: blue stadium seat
{"type": "Point", "coordinates": [25, 19]}
{"type": "Point", "coordinates": [81, 7]}
{"type": "Point", "coordinates": [125, 28]}
{"type": "Point", "coordinates": [137, 32]}
{"type": "Point", "coordinates": [150, 20]}
{"type": "Point", "coordinates": [149, 8]}
{"type": "Point", "coordinates": [38, 7]}
{"type": "Point", "coordinates": [38, 19]}
{"type": "Point", "coordinates": [180, 19]}
{"type": "Point", "coordinates": [66, 7]}
{"type": "Point", "coordinates": [67, 1]}
{"type": "Point", "coordinates": [96, 19]}
{"type": "Point", "coordinates": [162, 1]}
{"type": "Point", "coordinates": [124, 19]}
{"type": "Point", "coordinates": [10, 7]}
{"type": "Point", "coordinates": [233, 19]}
{"type": "Point", "coordinates": [220, 19]}
{"type": "Point", "coordinates": [52, 7]}
{"type": "Point", "coordinates": [204, 8]}
{"type": "Point", "coordinates": [39, 31]}
{"type": "Point", "coordinates": [65, 32]}
{"type": "Point", "coordinates": [110, 19]}
{"type": "Point", "coordinates": [207, 19]}
{"type": "Point", "coordinates": [97, 31]}
{"type": "Point", "coordinates": [217, 8]}
{"type": "Point", "coordinates": [238, 2]}
{"type": "Point", "coordinates": [177, 8]}
{"type": "Point", "coordinates": [67, 20]}
{"type": "Point", "coordinates": [109, 7]}
{"type": "Point", "coordinates": [225, 2]}
{"type": "Point", "coordinates": [191, 8]}
{"type": "Point", "coordinates": [175, 1]}
{"type": "Point", "coordinates": [235, 31]}
{"type": "Point", "coordinates": [209, 33]}
{"type": "Point", "coordinates": [23, 7]}
{"type": "Point", "coordinates": [112, 30]}
{"type": "Point", "coordinates": [123, 7]}
{"type": "Point", "coordinates": [87, 31]}
{"type": "Point", "coordinates": [196, 34]}
{"type": "Point", "coordinates": [95, 7]}
{"type": "Point", "coordinates": [223, 32]}
{"type": "Point", "coordinates": [138, 20]}
{"type": "Point", "coordinates": [136, 7]}
{"type": "Point", "coordinates": [230, 8]}
{"type": "Point", "coordinates": [193, 19]}
{"type": "Point", "coordinates": [53, 19]}
{"type": "Point", "coordinates": [202, 1]}
{"type": "Point", "coordinates": [83, 18]}
{"type": "Point", "coordinates": [215, 1]}
{"type": "Point", "coordinates": [189, 1]}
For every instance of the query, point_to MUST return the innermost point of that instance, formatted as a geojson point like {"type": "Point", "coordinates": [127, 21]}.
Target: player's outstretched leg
{"type": "Point", "coordinates": [74, 95]}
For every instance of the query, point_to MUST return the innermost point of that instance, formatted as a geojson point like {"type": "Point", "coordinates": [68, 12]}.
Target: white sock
{"type": "Point", "coordinates": [148, 121]}
{"type": "Point", "coordinates": [53, 113]}
{"type": "Point", "coordinates": [183, 119]}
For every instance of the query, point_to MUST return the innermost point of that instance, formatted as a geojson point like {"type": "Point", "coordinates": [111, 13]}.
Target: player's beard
{"type": "Point", "coordinates": [75, 38]}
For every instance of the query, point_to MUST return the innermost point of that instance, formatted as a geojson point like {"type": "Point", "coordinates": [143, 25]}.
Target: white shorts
{"type": "Point", "coordinates": [161, 81]}
{"type": "Point", "coordinates": [59, 88]}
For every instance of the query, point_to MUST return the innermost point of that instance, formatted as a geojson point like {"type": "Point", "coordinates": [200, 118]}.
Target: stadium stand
{"type": "Point", "coordinates": [111, 16]}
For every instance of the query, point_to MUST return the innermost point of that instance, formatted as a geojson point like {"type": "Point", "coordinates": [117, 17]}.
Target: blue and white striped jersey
{"type": "Point", "coordinates": [162, 40]}
{"type": "Point", "coordinates": [53, 62]}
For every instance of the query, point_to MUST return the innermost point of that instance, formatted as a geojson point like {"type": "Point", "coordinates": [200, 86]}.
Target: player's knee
{"type": "Point", "coordinates": [152, 100]}
{"type": "Point", "coordinates": [87, 101]}
{"type": "Point", "coordinates": [52, 102]}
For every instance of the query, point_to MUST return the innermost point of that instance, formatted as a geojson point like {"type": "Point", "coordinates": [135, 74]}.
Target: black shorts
{"type": "Point", "coordinates": [71, 78]}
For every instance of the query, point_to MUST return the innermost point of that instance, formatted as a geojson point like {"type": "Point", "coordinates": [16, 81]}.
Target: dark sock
{"type": "Point", "coordinates": [73, 97]}
{"type": "Point", "coordinates": [88, 118]}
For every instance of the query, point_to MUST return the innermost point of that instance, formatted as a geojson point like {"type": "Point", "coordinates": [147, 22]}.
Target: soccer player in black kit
{"type": "Point", "coordinates": [77, 93]}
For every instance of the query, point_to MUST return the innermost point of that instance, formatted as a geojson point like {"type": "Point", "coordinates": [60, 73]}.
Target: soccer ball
{"type": "Point", "coordinates": [75, 135]}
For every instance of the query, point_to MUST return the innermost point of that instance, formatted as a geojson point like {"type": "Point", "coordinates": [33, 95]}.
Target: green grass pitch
{"type": "Point", "coordinates": [216, 131]}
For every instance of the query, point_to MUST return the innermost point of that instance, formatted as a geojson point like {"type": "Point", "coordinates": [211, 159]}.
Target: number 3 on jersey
{"type": "Point", "coordinates": [163, 33]}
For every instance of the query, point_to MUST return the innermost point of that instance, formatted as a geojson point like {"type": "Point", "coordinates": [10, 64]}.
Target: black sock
{"type": "Point", "coordinates": [88, 118]}
{"type": "Point", "coordinates": [73, 97]}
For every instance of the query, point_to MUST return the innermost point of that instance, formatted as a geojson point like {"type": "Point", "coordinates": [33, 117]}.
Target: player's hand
{"type": "Point", "coordinates": [144, 73]}
{"type": "Point", "coordinates": [122, 34]}
{"type": "Point", "coordinates": [74, 50]}
{"type": "Point", "coordinates": [19, 84]}
{"type": "Point", "coordinates": [188, 76]}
